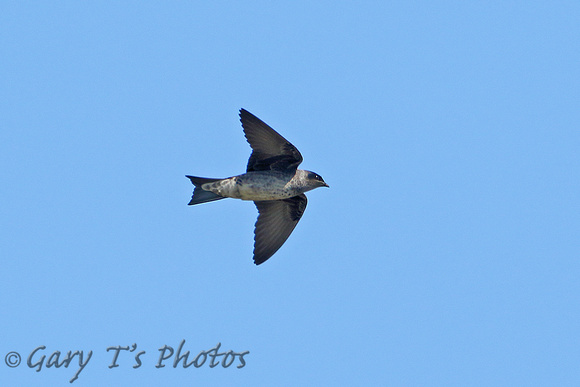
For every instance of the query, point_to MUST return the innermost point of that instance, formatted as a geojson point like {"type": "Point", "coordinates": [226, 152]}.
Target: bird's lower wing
{"type": "Point", "coordinates": [276, 222]}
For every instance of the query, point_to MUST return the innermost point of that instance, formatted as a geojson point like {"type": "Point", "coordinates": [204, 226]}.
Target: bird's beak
{"type": "Point", "coordinates": [326, 185]}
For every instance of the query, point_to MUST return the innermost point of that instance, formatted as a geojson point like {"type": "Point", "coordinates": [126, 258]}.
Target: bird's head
{"type": "Point", "coordinates": [316, 180]}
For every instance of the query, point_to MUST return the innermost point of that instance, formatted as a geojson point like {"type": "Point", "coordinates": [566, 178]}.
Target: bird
{"type": "Point", "coordinates": [272, 181]}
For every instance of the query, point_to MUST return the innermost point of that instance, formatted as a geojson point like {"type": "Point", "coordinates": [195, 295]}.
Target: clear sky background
{"type": "Point", "coordinates": [445, 253]}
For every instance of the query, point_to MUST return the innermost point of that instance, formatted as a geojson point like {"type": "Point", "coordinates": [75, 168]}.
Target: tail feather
{"type": "Point", "coordinates": [199, 194]}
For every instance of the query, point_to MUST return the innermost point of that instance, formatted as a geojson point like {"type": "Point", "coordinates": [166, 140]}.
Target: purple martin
{"type": "Point", "coordinates": [272, 181]}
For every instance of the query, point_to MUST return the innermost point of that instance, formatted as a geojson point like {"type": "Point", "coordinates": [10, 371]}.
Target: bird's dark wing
{"type": "Point", "coordinates": [275, 223]}
{"type": "Point", "coordinates": [270, 150]}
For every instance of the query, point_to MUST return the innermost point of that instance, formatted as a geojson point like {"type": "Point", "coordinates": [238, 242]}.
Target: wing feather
{"type": "Point", "coordinates": [276, 221]}
{"type": "Point", "coordinates": [271, 151]}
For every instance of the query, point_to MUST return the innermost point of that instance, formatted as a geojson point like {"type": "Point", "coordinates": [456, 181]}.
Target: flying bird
{"type": "Point", "coordinates": [272, 181]}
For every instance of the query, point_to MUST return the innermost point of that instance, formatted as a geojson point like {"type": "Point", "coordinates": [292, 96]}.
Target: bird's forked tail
{"type": "Point", "coordinates": [199, 194]}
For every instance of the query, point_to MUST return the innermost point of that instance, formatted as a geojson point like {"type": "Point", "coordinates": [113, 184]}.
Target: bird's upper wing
{"type": "Point", "coordinates": [275, 223]}
{"type": "Point", "coordinates": [270, 150]}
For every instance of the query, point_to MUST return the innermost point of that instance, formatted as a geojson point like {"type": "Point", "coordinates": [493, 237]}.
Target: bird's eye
{"type": "Point", "coordinates": [315, 176]}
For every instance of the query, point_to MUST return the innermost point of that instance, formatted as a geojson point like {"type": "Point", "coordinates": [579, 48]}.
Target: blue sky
{"type": "Point", "coordinates": [445, 252]}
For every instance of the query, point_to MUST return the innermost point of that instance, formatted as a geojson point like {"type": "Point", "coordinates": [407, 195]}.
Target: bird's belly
{"type": "Point", "coordinates": [260, 192]}
{"type": "Point", "coordinates": [254, 186]}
